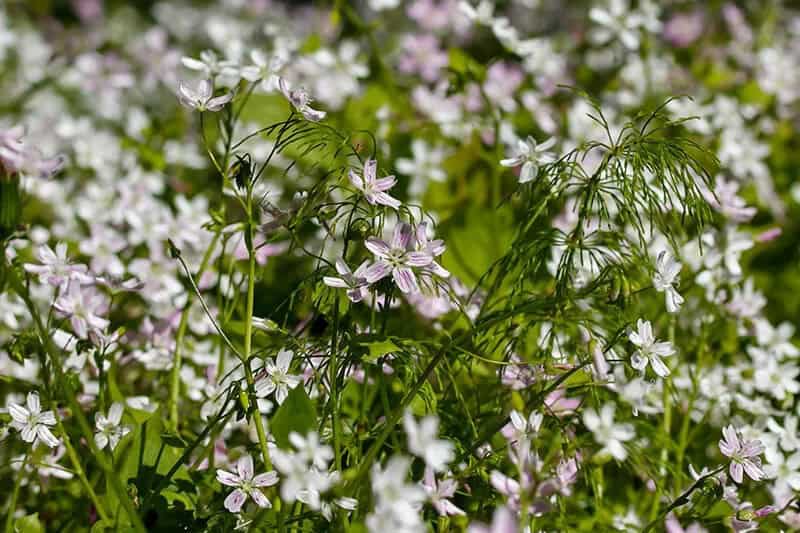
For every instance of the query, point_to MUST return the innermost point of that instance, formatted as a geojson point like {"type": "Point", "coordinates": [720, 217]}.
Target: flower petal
{"type": "Point", "coordinates": [235, 500]}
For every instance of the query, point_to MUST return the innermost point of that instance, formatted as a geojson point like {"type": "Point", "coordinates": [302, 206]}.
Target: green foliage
{"type": "Point", "coordinates": [296, 414]}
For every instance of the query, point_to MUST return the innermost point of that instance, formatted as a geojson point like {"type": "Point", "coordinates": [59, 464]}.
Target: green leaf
{"type": "Point", "coordinates": [171, 439]}
{"type": "Point", "coordinates": [28, 524]}
{"type": "Point", "coordinates": [296, 414]}
{"type": "Point", "coordinates": [482, 237]}
{"type": "Point", "coordinates": [379, 349]}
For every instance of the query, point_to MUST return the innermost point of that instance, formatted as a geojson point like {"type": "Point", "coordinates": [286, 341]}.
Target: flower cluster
{"type": "Point", "coordinates": [407, 265]}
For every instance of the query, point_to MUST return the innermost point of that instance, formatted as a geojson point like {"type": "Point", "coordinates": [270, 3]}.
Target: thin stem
{"type": "Point", "coordinates": [12, 505]}
{"type": "Point", "coordinates": [70, 395]}
{"type": "Point", "coordinates": [394, 418]}
{"type": "Point", "coordinates": [683, 499]}
{"type": "Point", "coordinates": [73, 457]}
{"type": "Point", "coordinates": [333, 378]}
{"type": "Point", "coordinates": [176, 366]}
{"type": "Point", "coordinates": [248, 334]}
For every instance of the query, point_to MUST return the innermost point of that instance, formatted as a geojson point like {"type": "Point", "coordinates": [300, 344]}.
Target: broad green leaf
{"type": "Point", "coordinates": [296, 414]}
{"type": "Point", "coordinates": [29, 524]}
{"type": "Point", "coordinates": [379, 349]}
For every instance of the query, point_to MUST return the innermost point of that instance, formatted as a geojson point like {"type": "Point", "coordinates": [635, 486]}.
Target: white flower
{"type": "Point", "coordinates": [520, 429]}
{"type": "Point", "coordinates": [56, 268]}
{"type": "Point", "coordinates": [425, 166]}
{"type": "Point", "coordinates": [531, 156]}
{"type": "Point", "coordinates": [784, 470]}
{"type": "Point", "coordinates": [777, 379]}
{"type": "Point", "coordinates": [246, 485]}
{"type": "Point", "coordinates": [788, 437]}
{"type": "Point", "coordinates": [31, 422]}
{"type": "Point", "coordinates": [208, 64]}
{"type": "Point", "coordinates": [300, 100]}
{"type": "Point", "coordinates": [607, 433]}
{"type": "Point", "coordinates": [109, 430]}
{"type": "Point", "coordinates": [304, 472]}
{"type": "Point", "coordinates": [277, 378]}
{"type": "Point", "coordinates": [397, 503]}
{"type": "Point", "coordinates": [380, 5]}
{"type": "Point", "coordinates": [423, 443]}
{"type": "Point", "coordinates": [667, 270]}
{"type": "Point", "coordinates": [264, 70]}
{"type": "Point", "coordinates": [483, 13]}
{"type": "Point", "coordinates": [202, 97]}
{"type": "Point", "coordinates": [744, 454]}
{"type": "Point", "coordinates": [649, 350]}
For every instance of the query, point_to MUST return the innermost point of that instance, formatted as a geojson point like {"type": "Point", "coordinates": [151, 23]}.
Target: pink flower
{"type": "Point", "coordinates": [246, 485]}
{"type": "Point", "coordinates": [300, 100]}
{"type": "Point", "coordinates": [82, 305]}
{"type": "Point", "coordinates": [440, 493]}
{"type": "Point", "coordinates": [684, 28]}
{"type": "Point", "coordinates": [395, 259]}
{"type": "Point", "coordinates": [422, 55]}
{"type": "Point", "coordinates": [769, 235]}
{"type": "Point", "coordinates": [355, 282]}
{"type": "Point", "coordinates": [744, 454]}
{"type": "Point", "coordinates": [374, 189]}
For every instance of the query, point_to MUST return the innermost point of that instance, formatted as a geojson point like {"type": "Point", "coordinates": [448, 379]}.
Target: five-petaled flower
{"type": "Point", "coordinates": [300, 100]}
{"type": "Point", "coordinates": [395, 258]}
{"type": "Point", "coordinates": [246, 485]}
{"type": "Point", "coordinates": [374, 189]}
{"type": "Point", "coordinates": [82, 305]}
{"type": "Point", "coordinates": [355, 282]}
{"type": "Point", "coordinates": [744, 454]}
{"type": "Point", "coordinates": [31, 422]}
{"type": "Point", "coordinates": [109, 430]}
{"type": "Point", "coordinates": [276, 377]}
{"type": "Point", "coordinates": [56, 268]}
{"type": "Point", "coordinates": [202, 97]}
{"type": "Point", "coordinates": [608, 433]}
{"type": "Point", "coordinates": [531, 156]}
{"type": "Point", "coordinates": [649, 350]}
{"type": "Point", "coordinates": [423, 441]}
{"type": "Point", "coordinates": [440, 492]}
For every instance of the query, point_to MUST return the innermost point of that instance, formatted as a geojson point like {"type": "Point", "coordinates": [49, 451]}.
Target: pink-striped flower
{"type": "Point", "coordinates": [744, 454]}
{"type": "Point", "coordinates": [246, 485]}
{"type": "Point", "coordinates": [394, 258]}
{"type": "Point", "coordinates": [355, 282]}
{"type": "Point", "coordinates": [374, 189]}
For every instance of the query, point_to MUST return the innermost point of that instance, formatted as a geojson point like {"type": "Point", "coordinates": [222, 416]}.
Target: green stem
{"type": "Point", "coordinates": [333, 378]}
{"type": "Point", "coordinates": [683, 499]}
{"type": "Point", "coordinates": [12, 505]}
{"type": "Point", "coordinates": [175, 380]}
{"type": "Point", "coordinates": [395, 417]}
{"type": "Point", "coordinates": [73, 457]}
{"type": "Point", "coordinates": [248, 335]}
{"type": "Point", "coordinates": [70, 396]}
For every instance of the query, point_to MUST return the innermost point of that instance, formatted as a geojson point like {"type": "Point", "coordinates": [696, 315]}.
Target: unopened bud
{"type": "Point", "coordinates": [599, 363]}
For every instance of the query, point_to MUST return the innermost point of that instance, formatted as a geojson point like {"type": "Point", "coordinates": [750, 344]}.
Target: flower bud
{"type": "Point", "coordinates": [599, 363]}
